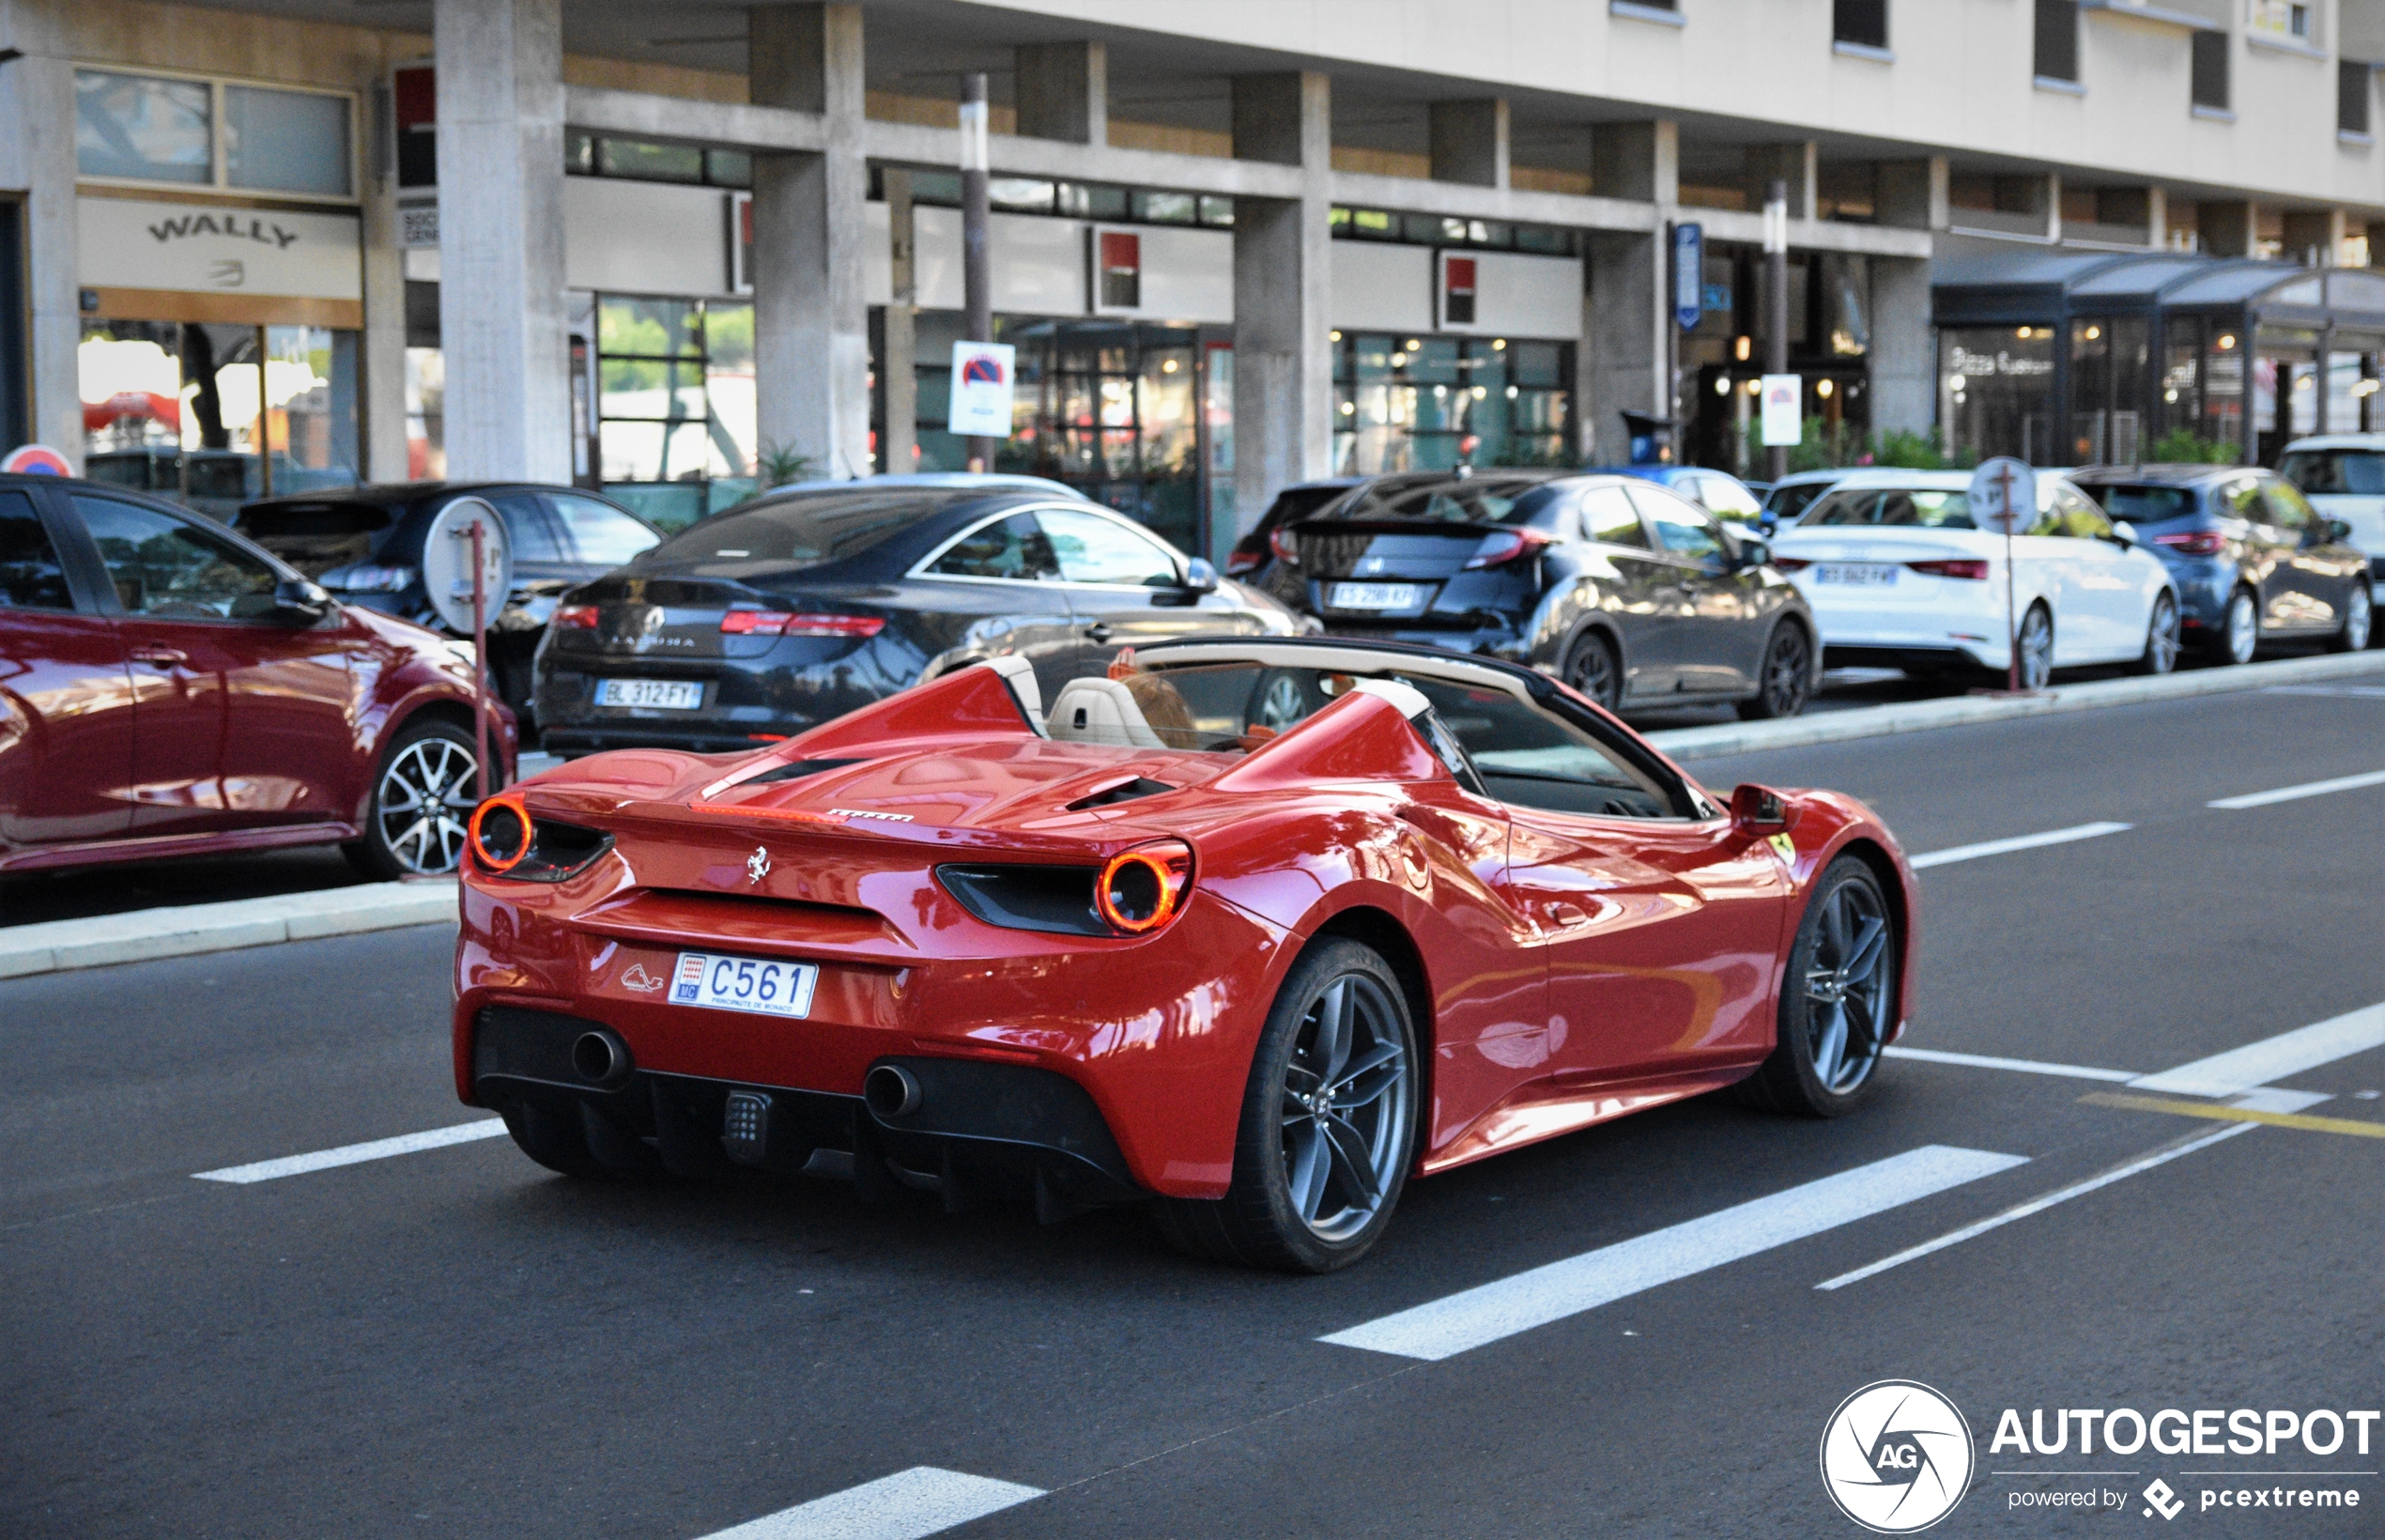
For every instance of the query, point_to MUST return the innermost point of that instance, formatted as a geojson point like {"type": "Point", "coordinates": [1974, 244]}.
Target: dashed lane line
{"type": "Point", "coordinates": [2017, 841]}
{"type": "Point", "coordinates": [2294, 794]}
{"type": "Point", "coordinates": [2273, 1059]}
{"type": "Point", "coordinates": [1472, 1318]}
{"type": "Point", "coordinates": [2358, 1127]}
{"type": "Point", "coordinates": [1990, 1061]}
{"type": "Point", "coordinates": [377, 1149]}
{"type": "Point", "coordinates": [907, 1506]}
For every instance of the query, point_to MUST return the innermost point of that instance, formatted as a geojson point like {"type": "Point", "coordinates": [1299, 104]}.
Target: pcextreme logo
{"type": "Point", "coordinates": [1896, 1456]}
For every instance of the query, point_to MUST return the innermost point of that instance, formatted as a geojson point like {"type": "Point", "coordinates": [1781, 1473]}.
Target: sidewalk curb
{"type": "Point", "coordinates": [60, 946]}
{"type": "Point", "coordinates": [1707, 743]}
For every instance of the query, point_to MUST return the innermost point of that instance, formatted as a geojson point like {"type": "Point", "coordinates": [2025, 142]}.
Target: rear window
{"type": "Point", "coordinates": [2145, 504]}
{"type": "Point", "coordinates": [272, 521]}
{"type": "Point", "coordinates": [1298, 503]}
{"type": "Point", "coordinates": [1476, 500]}
{"type": "Point", "coordinates": [1923, 508]}
{"type": "Point", "coordinates": [1792, 502]}
{"type": "Point", "coordinates": [809, 531]}
{"type": "Point", "coordinates": [2336, 472]}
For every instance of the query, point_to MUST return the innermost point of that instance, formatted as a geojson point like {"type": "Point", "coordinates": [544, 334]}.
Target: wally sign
{"type": "Point", "coordinates": [981, 377]}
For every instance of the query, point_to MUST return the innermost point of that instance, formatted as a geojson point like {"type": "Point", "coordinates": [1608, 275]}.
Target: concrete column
{"type": "Point", "coordinates": [1469, 142]}
{"type": "Point", "coordinates": [811, 315]}
{"type": "Point", "coordinates": [1283, 293]}
{"type": "Point", "coordinates": [2228, 229]}
{"type": "Point", "coordinates": [1063, 92]}
{"type": "Point", "coordinates": [2314, 228]}
{"type": "Point", "coordinates": [1799, 164]}
{"type": "Point", "coordinates": [382, 426]}
{"type": "Point", "coordinates": [500, 240]}
{"type": "Point", "coordinates": [1624, 362]}
{"type": "Point", "coordinates": [2376, 245]}
{"type": "Point", "coordinates": [37, 159]}
{"type": "Point", "coordinates": [901, 355]}
{"type": "Point", "coordinates": [1903, 360]}
{"type": "Point", "coordinates": [2050, 205]}
{"type": "Point", "coordinates": [1912, 194]}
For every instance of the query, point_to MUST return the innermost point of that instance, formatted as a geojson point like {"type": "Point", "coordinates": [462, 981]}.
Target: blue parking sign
{"type": "Point", "coordinates": [1689, 275]}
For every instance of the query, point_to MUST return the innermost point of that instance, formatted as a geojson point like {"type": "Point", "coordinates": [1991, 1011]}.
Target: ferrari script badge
{"type": "Point", "coordinates": [758, 865]}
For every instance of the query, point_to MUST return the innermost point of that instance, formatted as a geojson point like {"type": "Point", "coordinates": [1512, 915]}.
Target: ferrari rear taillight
{"type": "Point", "coordinates": [1281, 542]}
{"type": "Point", "coordinates": [506, 841]}
{"type": "Point", "coordinates": [778, 623]}
{"type": "Point", "coordinates": [1141, 889]}
{"type": "Point", "coordinates": [573, 617]}
{"type": "Point", "coordinates": [2194, 542]}
{"type": "Point", "coordinates": [1975, 572]}
{"type": "Point", "coordinates": [1500, 547]}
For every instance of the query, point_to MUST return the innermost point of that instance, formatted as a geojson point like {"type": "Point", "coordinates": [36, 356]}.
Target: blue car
{"type": "Point", "coordinates": [1719, 492]}
{"type": "Point", "coordinates": [2252, 560]}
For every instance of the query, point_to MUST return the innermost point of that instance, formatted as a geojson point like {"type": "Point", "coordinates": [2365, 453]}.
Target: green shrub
{"type": "Point", "coordinates": [2188, 447]}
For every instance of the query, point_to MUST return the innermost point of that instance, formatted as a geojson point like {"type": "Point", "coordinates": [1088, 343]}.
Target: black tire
{"type": "Point", "coordinates": [1801, 1076]}
{"type": "Point", "coordinates": [1592, 666]}
{"type": "Point", "coordinates": [2160, 654]}
{"type": "Point", "coordinates": [2239, 635]}
{"type": "Point", "coordinates": [392, 845]}
{"type": "Point", "coordinates": [1260, 1220]}
{"type": "Point", "coordinates": [2359, 619]}
{"type": "Point", "coordinates": [1785, 681]}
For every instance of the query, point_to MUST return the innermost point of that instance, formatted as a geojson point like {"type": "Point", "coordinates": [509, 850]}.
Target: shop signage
{"type": "Point", "coordinates": [1458, 288]}
{"type": "Point", "coordinates": [1784, 409]}
{"type": "Point", "coordinates": [141, 244]}
{"type": "Point", "coordinates": [1689, 275]}
{"type": "Point", "coordinates": [982, 372]}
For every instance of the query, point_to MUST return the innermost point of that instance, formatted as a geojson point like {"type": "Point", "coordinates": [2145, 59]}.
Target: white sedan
{"type": "Point", "coordinates": [1900, 577]}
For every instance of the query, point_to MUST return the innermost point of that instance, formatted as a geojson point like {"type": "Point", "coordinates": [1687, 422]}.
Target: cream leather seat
{"type": "Point", "coordinates": [1100, 710]}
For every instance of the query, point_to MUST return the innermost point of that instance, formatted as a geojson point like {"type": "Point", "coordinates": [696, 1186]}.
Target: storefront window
{"type": "Point", "coordinates": [162, 129]}
{"type": "Point", "coordinates": [1996, 389]}
{"type": "Point", "coordinates": [426, 414]}
{"type": "Point", "coordinates": [1434, 403]}
{"type": "Point", "coordinates": [286, 141]}
{"type": "Point", "coordinates": [675, 405]}
{"type": "Point", "coordinates": [2224, 383]}
{"type": "Point", "coordinates": [143, 127]}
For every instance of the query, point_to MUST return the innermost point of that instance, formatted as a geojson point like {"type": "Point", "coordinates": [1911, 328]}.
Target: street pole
{"type": "Point", "coordinates": [2011, 588]}
{"type": "Point", "coordinates": [1776, 304]}
{"type": "Point", "coordinates": [480, 657]}
{"type": "Point", "coordinates": [976, 277]}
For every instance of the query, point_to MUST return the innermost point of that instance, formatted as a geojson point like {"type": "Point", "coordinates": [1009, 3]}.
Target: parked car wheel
{"type": "Point", "coordinates": [1328, 1123]}
{"type": "Point", "coordinates": [1785, 680]}
{"type": "Point", "coordinates": [1593, 667]}
{"type": "Point", "coordinates": [2240, 631]}
{"type": "Point", "coordinates": [2037, 648]}
{"type": "Point", "coordinates": [423, 799]}
{"type": "Point", "coordinates": [2161, 653]}
{"type": "Point", "coordinates": [2359, 618]}
{"type": "Point", "coordinates": [1837, 999]}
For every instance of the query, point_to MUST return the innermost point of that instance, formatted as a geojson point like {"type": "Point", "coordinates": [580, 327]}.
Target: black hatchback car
{"type": "Point", "coordinates": [1631, 594]}
{"type": "Point", "coordinates": [364, 543]}
{"type": "Point", "coordinates": [2253, 561]}
{"type": "Point", "coordinates": [760, 621]}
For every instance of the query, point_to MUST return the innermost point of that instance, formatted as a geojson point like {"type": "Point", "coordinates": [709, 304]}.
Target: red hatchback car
{"type": "Point", "coordinates": [1253, 929]}
{"type": "Point", "coordinates": [167, 689]}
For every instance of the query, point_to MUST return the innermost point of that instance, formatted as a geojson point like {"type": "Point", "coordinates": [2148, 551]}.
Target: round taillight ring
{"type": "Point", "coordinates": [500, 833]}
{"type": "Point", "coordinates": [1140, 889]}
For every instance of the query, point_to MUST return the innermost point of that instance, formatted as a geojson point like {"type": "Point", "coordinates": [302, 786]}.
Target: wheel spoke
{"type": "Point", "coordinates": [1353, 1162]}
{"type": "Point", "coordinates": [1333, 1027]}
{"type": "Point", "coordinates": [1307, 1169]}
{"type": "Point", "coordinates": [1831, 1049]}
{"type": "Point", "coordinates": [1375, 1058]}
{"type": "Point", "coordinates": [1834, 927]}
{"type": "Point", "coordinates": [1871, 942]}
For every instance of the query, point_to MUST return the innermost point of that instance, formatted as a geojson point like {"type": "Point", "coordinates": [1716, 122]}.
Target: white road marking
{"type": "Point", "coordinates": [2273, 1098]}
{"type": "Point", "coordinates": [1445, 1327]}
{"type": "Point", "coordinates": [1989, 1061]}
{"type": "Point", "coordinates": [2063, 1195]}
{"type": "Point", "coordinates": [2273, 1059]}
{"type": "Point", "coordinates": [2019, 842]}
{"type": "Point", "coordinates": [906, 1505]}
{"type": "Point", "coordinates": [2290, 794]}
{"type": "Point", "coordinates": [323, 1160]}
{"type": "Point", "coordinates": [2357, 692]}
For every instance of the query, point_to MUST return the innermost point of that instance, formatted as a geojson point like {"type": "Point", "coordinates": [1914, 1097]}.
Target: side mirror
{"type": "Point", "coordinates": [1199, 575]}
{"type": "Point", "coordinates": [1758, 809]}
{"type": "Point", "coordinates": [300, 599]}
{"type": "Point", "coordinates": [2334, 530]}
{"type": "Point", "coordinates": [2124, 535]}
{"type": "Point", "coordinates": [1753, 552]}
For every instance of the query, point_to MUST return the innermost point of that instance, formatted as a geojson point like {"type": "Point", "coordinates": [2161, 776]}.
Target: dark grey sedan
{"type": "Point", "coordinates": [1632, 595]}
{"type": "Point", "coordinates": [760, 622]}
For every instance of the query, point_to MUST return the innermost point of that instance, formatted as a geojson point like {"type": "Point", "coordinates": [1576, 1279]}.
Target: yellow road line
{"type": "Point", "coordinates": [2359, 1127]}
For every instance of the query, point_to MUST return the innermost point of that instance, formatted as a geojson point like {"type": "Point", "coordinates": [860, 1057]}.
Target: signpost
{"type": "Point", "coordinates": [35, 460]}
{"type": "Point", "coordinates": [467, 564]}
{"type": "Point", "coordinates": [1689, 275]}
{"type": "Point", "coordinates": [982, 374]}
{"type": "Point", "coordinates": [2004, 497]}
{"type": "Point", "coordinates": [1784, 411]}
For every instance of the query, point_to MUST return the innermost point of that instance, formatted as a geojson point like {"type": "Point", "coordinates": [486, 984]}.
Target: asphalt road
{"type": "Point", "coordinates": [453, 1343]}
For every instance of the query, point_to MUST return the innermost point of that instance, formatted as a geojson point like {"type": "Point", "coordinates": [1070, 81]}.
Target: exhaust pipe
{"type": "Point", "coordinates": [890, 1090]}
{"type": "Point", "coordinates": [602, 1059]}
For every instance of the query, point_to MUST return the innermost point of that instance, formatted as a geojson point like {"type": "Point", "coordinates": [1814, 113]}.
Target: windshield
{"type": "Point", "coordinates": [1475, 499]}
{"type": "Point", "coordinates": [1924, 508]}
{"type": "Point", "coordinates": [1507, 747]}
{"type": "Point", "coordinates": [2326, 472]}
{"type": "Point", "coordinates": [1788, 502]}
{"type": "Point", "coordinates": [2145, 504]}
{"type": "Point", "coordinates": [806, 530]}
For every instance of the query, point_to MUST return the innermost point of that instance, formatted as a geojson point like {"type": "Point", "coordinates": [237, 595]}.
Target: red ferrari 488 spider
{"type": "Point", "coordinates": [1254, 931]}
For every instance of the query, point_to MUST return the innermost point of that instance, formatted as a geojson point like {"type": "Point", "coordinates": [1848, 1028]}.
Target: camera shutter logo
{"type": "Point", "coordinates": [1896, 1456]}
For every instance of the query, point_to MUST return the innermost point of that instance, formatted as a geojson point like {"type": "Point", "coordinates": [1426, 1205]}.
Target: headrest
{"type": "Point", "coordinates": [1100, 710]}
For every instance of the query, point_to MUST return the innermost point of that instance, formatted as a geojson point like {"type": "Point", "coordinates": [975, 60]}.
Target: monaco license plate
{"type": "Point", "coordinates": [656, 694]}
{"type": "Point", "coordinates": [744, 983]}
{"type": "Point", "coordinates": [1855, 574]}
{"type": "Point", "coordinates": [1376, 596]}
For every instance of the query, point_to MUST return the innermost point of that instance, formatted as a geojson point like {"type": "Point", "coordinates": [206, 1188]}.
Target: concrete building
{"type": "Point", "coordinates": [665, 250]}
